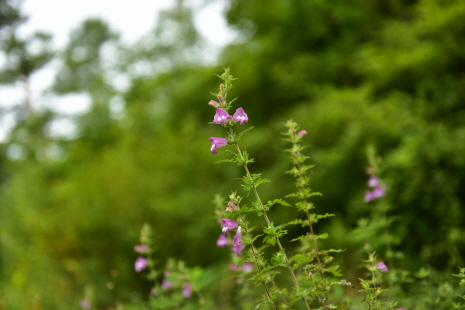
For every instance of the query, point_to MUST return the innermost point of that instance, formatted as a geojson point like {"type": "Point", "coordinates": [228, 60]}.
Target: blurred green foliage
{"type": "Point", "coordinates": [353, 73]}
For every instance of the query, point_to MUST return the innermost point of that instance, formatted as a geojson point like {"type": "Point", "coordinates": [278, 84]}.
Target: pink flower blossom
{"type": "Point", "coordinates": [222, 241]}
{"type": "Point", "coordinates": [217, 143]}
{"type": "Point", "coordinates": [382, 267]}
{"type": "Point", "coordinates": [165, 284]}
{"type": "Point", "coordinates": [302, 133]}
{"type": "Point", "coordinates": [140, 264]}
{"type": "Point", "coordinates": [221, 116]}
{"type": "Point", "coordinates": [228, 225]}
{"type": "Point", "coordinates": [237, 245]}
{"type": "Point", "coordinates": [247, 267]}
{"type": "Point", "coordinates": [186, 290]}
{"type": "Point", "coordinates": [142, 248]}
{"type": "Point", "coordinates": [240, 116]}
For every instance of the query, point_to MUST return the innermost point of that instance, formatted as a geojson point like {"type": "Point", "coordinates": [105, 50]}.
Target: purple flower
{"type": "Point", "coordinates": [217, 143]}
{"type": "Point", "coordinates": [186, 290]}
{"type": "Point", "coordinates": [382, 267]}
{"type": "Point", "coordinates": [240, 116]}
{"type": "Point", "coordinates": [400, 309]}
{"type": "Point", "coordinates": [247, 267]}
{"type": "Point", "coordinates": [377, 192]}
{"type": "Point", "coordinates": [233, 267]}
{"type": "Point", "coordinates": [373, 181]}
{"type": "Point", "coordinates": [222, 241]}
{"type": "Point", "coordinates": [221, 116]}
{"type": "Point", "coordinates": [84, 304]}
{"type": "Point", "coordinates": [142, 248]}
{"type": "Point", "coordinates": [302, 133]}
{"type": "Point", "coordinates": [238, 237]}
{"type": "Point", "coordinates": [237, 246]}
{"type": "Point", "coordinates": [238, 249]}
{"type": "Point", "coordinates": [140, 264]}
{"type": "Point", "coordinates": [228, 225]}
{"type": "Point", "coordinates": [165, 284]}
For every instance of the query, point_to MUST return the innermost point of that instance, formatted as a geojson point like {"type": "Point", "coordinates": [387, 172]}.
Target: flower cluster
{"type": "Point", "coordinates": [224, 118]}
{"type": "Point", "coordinates": [378, 189]}
{"type": "Point", "coordinates": [229, 225]}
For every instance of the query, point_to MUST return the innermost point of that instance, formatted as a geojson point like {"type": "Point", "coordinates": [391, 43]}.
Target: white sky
{"type": "Point", "coordinates": [131, 18]}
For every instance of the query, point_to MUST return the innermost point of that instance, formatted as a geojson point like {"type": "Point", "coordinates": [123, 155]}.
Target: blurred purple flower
{"type": "Point", "coordinates": [382, 267]}
{"type": "Point", "coordinates": [373, 181]}
{"type": "Point", "coordinates": [233, 267]}
{"type": "Point", "coordinates": [238, 249]}
{"type": "Point", "coordinates": [302, 133]}
{"type": "Point", "coordinates": [221, 116]}
{"type": "Point", "coordinates": [142, 248]}
{"type": "Point", "coordinates": [140, 264]}
{"type": "Point", "coordinates": [217, 143]}
{"type": "Point", "coordinates": [228, 225]}
{"type": "Point", "coordinates": [84, 304]}
{"type": "Point", "coordinates": [400, 309]}
{"type": "Point", "coordinates": [165, 284]}
{"type": "Point", "coordinates": [186, 290]}
{"type": "Point", "coordinates": [237, 245]}
{"type": "Point", "coordinates": [222, 241]}
{"type": "Point", "coordinates": [247, 267]}
{"type": "Point", "coordinates": [240, 116]}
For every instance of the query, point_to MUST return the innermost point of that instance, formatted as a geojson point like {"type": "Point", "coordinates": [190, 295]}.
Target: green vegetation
{"type": "Point", "coordinates": [356, 75]}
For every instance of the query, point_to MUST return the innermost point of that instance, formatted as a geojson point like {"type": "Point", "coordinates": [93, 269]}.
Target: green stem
{"type": "Point", "coordinates": [262, 209]}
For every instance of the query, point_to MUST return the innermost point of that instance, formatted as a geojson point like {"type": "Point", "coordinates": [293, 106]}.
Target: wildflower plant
{"type": "Point", "coordinates": [270, 272]}
{"type": "Point", "coordinates": [309, 273]}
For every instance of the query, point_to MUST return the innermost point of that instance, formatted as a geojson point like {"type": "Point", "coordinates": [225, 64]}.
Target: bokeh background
{"type": "Point", "coordinates": [354, 74]}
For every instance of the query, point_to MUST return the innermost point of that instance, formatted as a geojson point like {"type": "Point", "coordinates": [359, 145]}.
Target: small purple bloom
{"type": "Point", "coordinates": [240, 116]}
{"type": "Point", "coordinates": [400, 309]}
{"type": "Point", "coordinates": [221, 116]}
{"type": "Point", "coordinates": [140, 264]}
{"type": "Point", "coordinates": [382, 267]}
{"type": "Point", "coordinates": [142, 248]}
{"type": "Point", "coordinates": [84, 304]}
{"type": "Point", "coordinates": [228, 225]}
{"type": "Point", "coordinates": [233, 267]}
{"type": "Point", "coordinates": [217, 143]}
{"type": "Point", "coordinates": [186, 290]}
{"type": "Point", "coordinates": [238, 249]}
{"type": "Point", "coordinates": [165, 284]}
{"type": "Point", "coordinates": [238, 237]}
{"type": "Point", "coordinates": [373, 181]}
{"type": "Point", "coordinates": [222, 241]}
{"type": "Point", "coordinates": [302, 133]}
{"type": "Point", "coordinates": [247, 267]}
{"type": "Point", "coordinates": [368, 196]}
{"type": "Point", "coordinates": [379, 191]}
{"type": "Point", "coordinates": [237, 245]}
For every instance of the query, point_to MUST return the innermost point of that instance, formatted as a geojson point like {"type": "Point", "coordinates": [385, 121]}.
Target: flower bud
{"type": "Point", "coordinates": [231, 207]}
{"type": "Point", "coordinates": [221, 99]}
{"type": "Point", "coordinates": [214, 104]}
